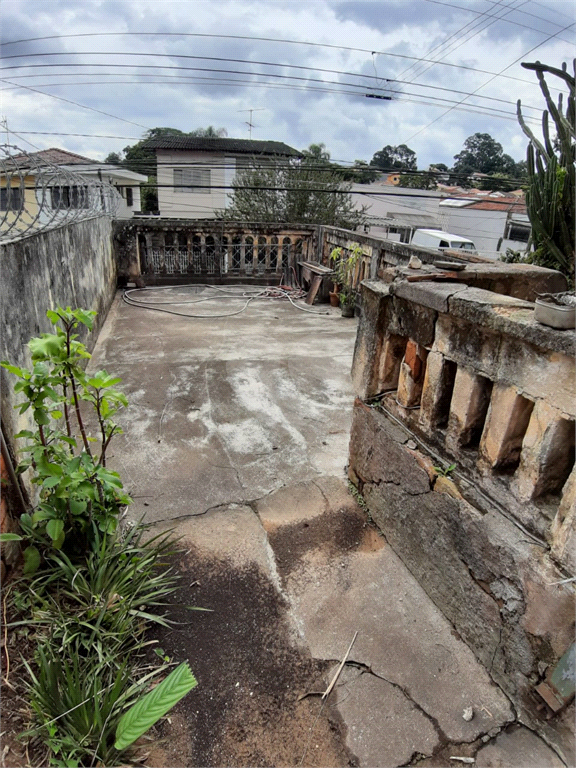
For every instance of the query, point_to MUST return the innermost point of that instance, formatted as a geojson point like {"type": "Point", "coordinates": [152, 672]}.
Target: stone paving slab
{"type": "Point", "coordinates": [402, 636]}
{"type": "Point", "coordinates": [520, 748]}
{"type": "Point", "coordinates": [384, 728]}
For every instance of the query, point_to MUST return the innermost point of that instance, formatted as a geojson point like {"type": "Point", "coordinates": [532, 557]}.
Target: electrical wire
{"type": "Point", "coordinates": [488, 81]}
{"type": "Point", "coordinates": [263, 39]}
{"type": "Point", "coordinates": [383, 89]}
{"type": "Point", "coordinates": [509, 21]}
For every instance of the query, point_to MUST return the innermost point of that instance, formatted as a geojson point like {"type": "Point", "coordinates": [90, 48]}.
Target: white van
{"type": "Point", "coordinates": [438, 240]}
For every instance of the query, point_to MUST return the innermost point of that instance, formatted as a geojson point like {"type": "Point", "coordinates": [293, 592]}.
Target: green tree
{"type": "Point", "coordinates": [360, 172]}
{"type": "Point", "coordinates": [394, 158]}
{"type": "Point", "coordinates": [317, 152]}
{"type": "Point", "coordinates": [113, 158]}
{"type": "Point", "coordinates": [420, 180]}
{"type": "Point", "coordinates": [482, 154]}
{"type": "Point", "coordinates": [550, 196]}
{"type": "Point", "coordinates": [293, 191]}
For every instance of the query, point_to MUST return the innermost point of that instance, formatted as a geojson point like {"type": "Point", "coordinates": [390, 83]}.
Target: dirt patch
{"type": "Point", "coordinates": [245, 710]}
{"type": "Point", "coordinates": [347, 530]}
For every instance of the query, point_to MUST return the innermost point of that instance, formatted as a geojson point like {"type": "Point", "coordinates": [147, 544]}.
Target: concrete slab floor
{"type": "Point", "coordinates": [237, 434]}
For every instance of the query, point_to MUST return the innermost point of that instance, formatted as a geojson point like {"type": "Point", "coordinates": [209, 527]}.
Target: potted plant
{"type": "Point", "coordinates": [345, 272]}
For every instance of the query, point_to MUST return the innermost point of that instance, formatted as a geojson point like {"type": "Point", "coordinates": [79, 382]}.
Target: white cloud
{"type": "Point", "coordinates": [350, 126]}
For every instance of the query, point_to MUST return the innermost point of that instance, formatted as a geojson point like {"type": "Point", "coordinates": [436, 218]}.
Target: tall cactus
{"type": "Point", "coordinates": [550, 198]}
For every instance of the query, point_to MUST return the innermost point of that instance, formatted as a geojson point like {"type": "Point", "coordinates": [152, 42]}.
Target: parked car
{"type": "Point", "coordinates": [435, 238]}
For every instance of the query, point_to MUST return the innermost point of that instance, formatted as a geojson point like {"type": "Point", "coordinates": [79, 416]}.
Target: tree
{"type": "Point", "coordinates": [420, 180]}
{"type": "Point", "coordinates": [317, 152]}
{"type": "Point", "coordinates": [208, 133]}
{"type": "Point", "coordinates": [360, 172]}
{"type": "Point", "coordinates": [294, 191]}
{"type": "Point", "coordinates": [482, 154]}
{"type": "Point", "coordinates": [394, 158]}
{"type": "Point", "coordinates": [550, 197]}
{"type": "Point", "coordinates": [113, 158]}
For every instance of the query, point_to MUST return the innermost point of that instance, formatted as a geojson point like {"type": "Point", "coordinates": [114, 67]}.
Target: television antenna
{"type": "Point", "coordinates": [249, 122]}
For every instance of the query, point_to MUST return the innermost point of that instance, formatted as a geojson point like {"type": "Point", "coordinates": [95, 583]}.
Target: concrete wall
{"type": "Point", "coordinates": [69, 266]}
{"type": "Point", "coordinates": [456, 374]}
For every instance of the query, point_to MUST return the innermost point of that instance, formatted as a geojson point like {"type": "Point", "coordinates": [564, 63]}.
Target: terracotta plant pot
{"type": "Point", "coordinates": [334, 299]}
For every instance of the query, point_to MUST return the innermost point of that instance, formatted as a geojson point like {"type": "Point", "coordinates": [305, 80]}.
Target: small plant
{"type": "Point", "coordinates": [77, 490]}
{"type": "Point", "coordinates": [360, 500]}
{"type": "Point", "coordinates": [445, 471]}
{"type": "Point", "coordinates": [345, 268]}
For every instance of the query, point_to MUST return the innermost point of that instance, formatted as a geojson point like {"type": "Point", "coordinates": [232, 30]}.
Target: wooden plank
{"type": "Point", "coordinates": [315, 285]}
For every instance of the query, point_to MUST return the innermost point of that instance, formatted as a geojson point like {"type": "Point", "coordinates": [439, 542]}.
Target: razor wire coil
{"type": "Point", "coordinates": [37, 195]}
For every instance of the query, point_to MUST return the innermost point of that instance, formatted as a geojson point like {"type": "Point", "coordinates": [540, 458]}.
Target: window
{"type": "Point", "coordinates": [444, 244]}
{"type": "Point", "coordinates": [192, 180]}
{"type": "Point", "coordinates": [69, 197]}
{"type": "Point", "coordinates": [129, 197]}
{"type": "Point", "coordinates": [10, 199]}
{"type": "Point", "coordinates": [518, 232]}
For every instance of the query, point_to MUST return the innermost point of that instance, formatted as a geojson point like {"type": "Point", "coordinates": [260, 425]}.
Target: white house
{"type": "Point", "coordinates": [126, 182]}
{"type": "Point", "coordinates": [195, 174]}
{"type": "Point", "coordinates": [494, 221]}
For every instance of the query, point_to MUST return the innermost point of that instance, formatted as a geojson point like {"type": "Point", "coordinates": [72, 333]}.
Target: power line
{"type": "Point", "coordinates": [263, 39]}
{"type": "Point", "coordinates": [75, 103]}
{"type": "Point", "coordinates": [264, 74]}
{"type": "Point", "coordinates": [509, 21]}
{"type": "Point", "coordinates": [488, 81]}
{"type": "Point", "coordinates": [479, 25]}
{"type": "Point", "coordinates": [336, 167]}
{"type": "Point", "coordinates": [420, 67]}
{"type": "Point", "coordinates": [472, 108]}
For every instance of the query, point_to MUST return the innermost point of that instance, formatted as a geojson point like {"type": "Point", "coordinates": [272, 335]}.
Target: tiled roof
{"type": "Point", "coordinates": [240, 146]}
{"type": "Point", "coordinates": [56, 156]}
{"type": "Point", "coordinates": [519, 206]}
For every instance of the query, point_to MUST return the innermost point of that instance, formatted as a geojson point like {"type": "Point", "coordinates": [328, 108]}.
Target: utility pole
{"type": "Point", "coordinates": [249, 122]}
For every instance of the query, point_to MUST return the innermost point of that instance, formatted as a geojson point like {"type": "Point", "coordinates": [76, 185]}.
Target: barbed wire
{"type": "Point", "coordinates": [37, 195]}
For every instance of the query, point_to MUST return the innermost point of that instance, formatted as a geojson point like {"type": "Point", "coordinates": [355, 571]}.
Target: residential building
{"type": "Point", "coordinates": [494, 221]}
{"type": "Point", "coordinates": [195, 174]}
{"type": "Point", "coordinates": [44, 189]}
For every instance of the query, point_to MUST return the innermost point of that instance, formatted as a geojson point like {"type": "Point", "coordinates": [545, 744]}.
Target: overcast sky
{"type": "Point", "coordinates": [310, 81]}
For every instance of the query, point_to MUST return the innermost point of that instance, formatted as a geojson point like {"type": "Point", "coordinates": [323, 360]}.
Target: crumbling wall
{"type": "Point", "coordinates": [449, 374]}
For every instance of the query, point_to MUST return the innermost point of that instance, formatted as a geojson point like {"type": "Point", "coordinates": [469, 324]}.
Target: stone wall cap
{"type": "Point", "coordinates": [513, 317]}
{"type": "Point", "coordinates": [428, 293]}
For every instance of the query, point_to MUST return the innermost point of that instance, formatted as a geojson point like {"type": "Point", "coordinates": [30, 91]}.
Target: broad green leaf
{"type": "Point", "coordinates": [56, 414]}
{"type": "Point", "coordinates": [154, 705]}
{"type": "Point", "coordinates": [41, 417]}
{"type": "Point", "coordinates": [45, 513]}
{"type": "Point", "coordinates": [54, 317]}
{"type": "Point", "coordinates": [31, 561]}
{"type": "Point", "coordinates": [9, 537]}
{"type": "Point", "coordinates": [77, 507]}
{"type": "Point", "coordinates": [50, 482]}
{"type": "Point", "coordinates": [47, 345]}
{"type": "Point", "coordinates": [54, 529]}
{"type": "Point", "coordinates": [12, 368]}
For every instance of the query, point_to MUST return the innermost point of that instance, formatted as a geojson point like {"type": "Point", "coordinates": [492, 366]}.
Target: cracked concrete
{"type": "Point", "coordinates": [237, 437]}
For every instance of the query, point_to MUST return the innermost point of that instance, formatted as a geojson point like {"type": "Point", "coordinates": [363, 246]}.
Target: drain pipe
{"type": "Point", "coordinates": [12, 474]}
